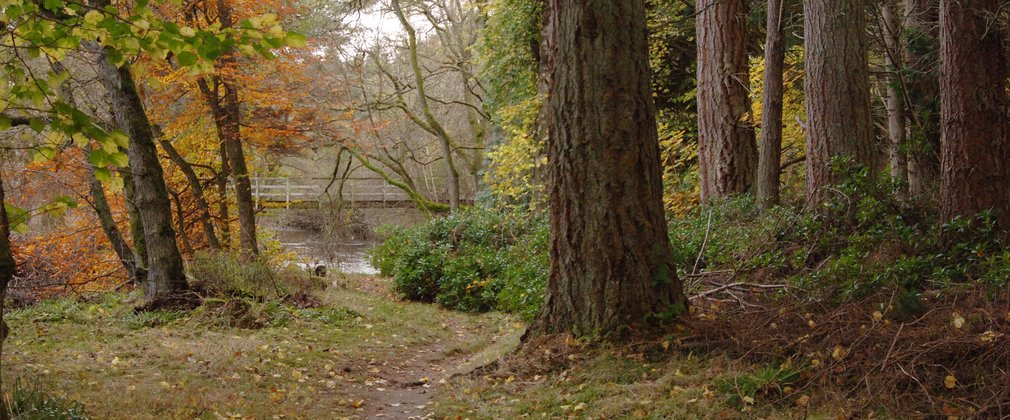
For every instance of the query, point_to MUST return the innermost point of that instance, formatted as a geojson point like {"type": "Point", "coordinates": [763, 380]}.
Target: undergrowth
{"type": "Point", "coordinates": [28, 400]}
{"type": "Point", "coordinates": [472, 260]}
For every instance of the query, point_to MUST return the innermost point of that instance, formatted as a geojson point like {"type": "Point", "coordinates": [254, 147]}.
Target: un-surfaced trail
{"type": "Point", "coordinates": [363, 354]}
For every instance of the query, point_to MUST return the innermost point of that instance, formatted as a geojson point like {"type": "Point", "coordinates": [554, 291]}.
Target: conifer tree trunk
{"type": "Point", "coordinates": [610, 256]}
{"type": "Point", "coordinates": [973, 113]}
{"type": "Point", "coordinates": [770, 146]}
{"type": "Point", "coordinates": [837, 88]}
{"type": "Point", "coordinates": [727, 153]}
{"type": "Point", "coordinates": [923, 91]}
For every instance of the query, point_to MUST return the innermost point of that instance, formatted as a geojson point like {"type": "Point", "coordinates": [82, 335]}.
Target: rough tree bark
{"type": "Point", "coordinates": [727, 153]}
{"type": "Point", "coordinates": [837, 90]}
{"type": "Point", "coordinates": [973, 115]}
{"type": "Point", "coordinates": [770, 146]}
{"type": "Point", "coordinates": [165, 276]}
{"type": "Point", "coordinates": [923, 92]}
{"type": "Point", "coordinates": [891, 31]}
{"type": "Point", "coordinates": [610, 254]}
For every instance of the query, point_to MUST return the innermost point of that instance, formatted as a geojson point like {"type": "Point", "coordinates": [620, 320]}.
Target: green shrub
{"type": "Point", "coordinates": [31, 402]}
{"type": "Point", "coordinates": [861, 240]}
{"type": "Point", "coordinates": [471, 260]}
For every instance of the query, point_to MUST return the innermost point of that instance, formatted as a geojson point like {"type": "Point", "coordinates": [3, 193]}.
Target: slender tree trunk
{"type": "Point", "coordinates": [727, 153]}
{"type": "Point", "coordinates": [197, 188]}
{"type": "Point", "coordinates": [895, 101]}
{"type": "Point", "coordinates": [923, 91]}
{"type": "Point", "coordinates": [445, 141]}
{"type": "Point", "coordinates": [100, 203]}
{"type": "Point", "coordinates": [136, 224]}
{"type": "Point", "coordinates": [180, 223]}
{"type": "Point", "coordinates": [228, 117]}
{"type": "Point", "coordinates": [770, 147]}
{"type": "Point", "coordinates": [165, 277]}
{"type": "Point", "coordinates": [222, 192]}
{"type": "Point", "coordinates": [611, 261]}
{"type": "Point", "coordinates": [837, 90]}
{"type": "Point", "coordinates": [973, 112]}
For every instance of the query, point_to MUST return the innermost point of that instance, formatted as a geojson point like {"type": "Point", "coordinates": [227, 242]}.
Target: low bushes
{"type": "Point", "coordinates": [471, 260]}
{"type": "Point", "coordinates": [227, 274]}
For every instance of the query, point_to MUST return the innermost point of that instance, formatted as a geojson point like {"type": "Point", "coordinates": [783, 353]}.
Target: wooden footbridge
{"type": "Point", "coordinates": [316, 192]}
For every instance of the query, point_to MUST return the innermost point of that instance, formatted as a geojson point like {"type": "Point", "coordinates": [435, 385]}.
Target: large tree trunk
{"type": "Point", "coordinates": [895, 101]}
{"type": "Point", "coordinates": [770, 147]}
{"type": "Point", "coordinates": [923, 91]}
{"type": "Point", "coordinates": [837, 90]}
{"type": "Point", "coordinates": [165, 275]}
{"type": "Point", "coordinates": [973, 117]}
{"type": "Point", "coordinates": [727, 153]}
{"type": "Point", "coordinates": [610, 255]}
{"type": "Point", "coordinates": [8, 268]}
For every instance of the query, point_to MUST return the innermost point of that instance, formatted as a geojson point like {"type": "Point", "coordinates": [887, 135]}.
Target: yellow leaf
{"type": "Point", "coordinates": [839, 353]}
{"type": "Point", "coordinates": [357, 404]}
{"type": "Point", "coordinates": [877, 315]}
{"type": "Point", "coordinates": [748, 399]}
{"type": "Point", "coordinates": [950, 382]}
{"type": "Point", "coordinates": [958, 320]}
{"type": "Point", "coordinates": [296, 374]}
{"type": "Point", "coordinates": [988, 336]}
{"type": "Point", "coordinates": [803, 400]}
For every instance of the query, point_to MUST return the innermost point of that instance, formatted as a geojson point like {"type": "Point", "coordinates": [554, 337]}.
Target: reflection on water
{"type": "Point", "coordinates": [315, 249]}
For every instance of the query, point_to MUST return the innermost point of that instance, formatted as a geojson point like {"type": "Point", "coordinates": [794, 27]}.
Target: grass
{"type": "Point", "coordinates": [176, 365]}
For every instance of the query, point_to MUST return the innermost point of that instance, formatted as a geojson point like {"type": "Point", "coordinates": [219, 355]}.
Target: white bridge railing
{"type": "Point", "coordinates": [355, 190]}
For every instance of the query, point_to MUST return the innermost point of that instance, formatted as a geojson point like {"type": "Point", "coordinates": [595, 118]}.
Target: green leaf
{"type": "Point", "coordinates": [37, 125]}
{"type": "Point", "coordinates": [187, 59]}
{"type": "Point", "coordinates": [120, 159]}
{"type": "Point", "coordinates": [295, 40]}
{"type": "Point", "coordinates": [17, 217]}
{"type": "Point", "coordinates": [103, 174]}
{"type": "Point", "coordinates": [5, 123]}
